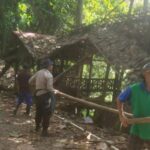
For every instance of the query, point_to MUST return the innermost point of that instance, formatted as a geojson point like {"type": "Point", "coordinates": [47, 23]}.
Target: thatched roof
{"type": "Point", "coordinates": [38, 45]}
{"type": "Point", "coordinates": [121, 43]}
{"type": "Point", "coordinates": [117, 48]}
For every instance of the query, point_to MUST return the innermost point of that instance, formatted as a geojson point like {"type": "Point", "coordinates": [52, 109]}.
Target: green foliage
{"type": "Point", "coordinates": [8, 19]}
{"type": "Point", "coordinates": [100, 72]}
{"type": "Point", "coordinates": [25, 15]}
{"type": "Point", "coordinates": [87, 112]}
{"type": "Point", "coordinates": [103, 10]}
{"type": "Point", "coordinates": [100, 63]}
{"type": "Point", "coordinates": [86, 69]}
{"type": "Point", "coordinates": [63, 13]}
{"type": "Point", "coordinates": [54, 16]}
{"type": "Point", "coordinates": [138, 7]}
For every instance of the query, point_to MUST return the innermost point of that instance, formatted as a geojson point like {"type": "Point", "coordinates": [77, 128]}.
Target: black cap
{"type": "Point", "coordinates": [46, 62]}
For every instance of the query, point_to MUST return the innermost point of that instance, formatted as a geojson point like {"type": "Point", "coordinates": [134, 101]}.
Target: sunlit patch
{"type": "Point", "coordinates": [89, 136]}
{"type": "Point", "coordinates": [15, 140]}
{"type": "Point", "coordinates": [23, 123]}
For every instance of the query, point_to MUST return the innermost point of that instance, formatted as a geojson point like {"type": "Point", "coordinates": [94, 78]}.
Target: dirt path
{"type": "Point", "coordinates": [16, 133]}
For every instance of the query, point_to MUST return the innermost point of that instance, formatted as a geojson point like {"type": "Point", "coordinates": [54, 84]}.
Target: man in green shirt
{"type": "Point", "coordinates": [138, 95]}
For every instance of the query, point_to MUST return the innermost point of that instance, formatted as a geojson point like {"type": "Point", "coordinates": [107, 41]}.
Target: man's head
{"type": "Point", "coordinates": [47, 63]}
{"type": "Point", "coordinates": [146, 71]}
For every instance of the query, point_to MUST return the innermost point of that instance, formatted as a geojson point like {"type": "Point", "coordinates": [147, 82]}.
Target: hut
{"type": "Point", "coordinates": [111, 50]}
{"type": "Point", "coordinates": [116, 49]}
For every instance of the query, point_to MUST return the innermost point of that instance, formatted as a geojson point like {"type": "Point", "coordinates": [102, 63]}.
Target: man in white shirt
{"type": "Point", "coordinates": [43, 80]}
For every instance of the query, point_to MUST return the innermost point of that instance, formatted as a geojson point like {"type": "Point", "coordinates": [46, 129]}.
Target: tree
{"type": "Point", "coordinates": [145, 6]}
{"type": "Point", "coordinates": [8, 19]}
{"type": "Point", "coordinates": [130, 7]}
{"type": "Point", "coordinates": [79, 14]}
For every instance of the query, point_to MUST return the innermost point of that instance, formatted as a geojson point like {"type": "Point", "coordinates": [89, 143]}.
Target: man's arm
{"type": "Point", "coordinates": [122, 117]}
{"type": "Point", "coordinates": [124, 96]}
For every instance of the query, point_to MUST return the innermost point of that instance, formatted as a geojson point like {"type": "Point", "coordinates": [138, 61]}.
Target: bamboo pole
{"type": "Point", "coordinates": [139, 120]}
{"type": "Point", "coordinates": [94, 105]}
{"type": "Point", "coordinates": [112, 110]}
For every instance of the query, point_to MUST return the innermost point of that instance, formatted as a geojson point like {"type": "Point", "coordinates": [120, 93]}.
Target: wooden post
{"type": "Point", "coordinates": [80, 70]}
{"type": "Point", "coordinates": [106, 79]}
{"type": "Point", "coordinates": [90, 76]}
{"type": "Point", "coordinates": [117, 82]}
{"type": "Point", "coordinates": [115, 85]}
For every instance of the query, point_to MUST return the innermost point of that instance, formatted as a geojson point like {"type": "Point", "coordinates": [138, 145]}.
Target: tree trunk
{"type": "Point", "coordinates": [145, 6]}
{"type": "Point", "coordinates": [78, 20]}
{"type": "Point", "coordinates": [130, 7]}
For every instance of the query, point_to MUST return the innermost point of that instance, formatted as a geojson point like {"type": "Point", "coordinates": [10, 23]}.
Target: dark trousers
{"type": "Point", "coordinates": [135, 143]}
{"type": "Point", "coordinates": [43, 112]}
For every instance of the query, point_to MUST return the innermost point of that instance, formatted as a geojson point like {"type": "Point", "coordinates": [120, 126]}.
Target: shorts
{"type": "Point", "coordinates": [24, 97]}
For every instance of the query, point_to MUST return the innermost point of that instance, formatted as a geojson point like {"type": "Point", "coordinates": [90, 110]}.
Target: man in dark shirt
{"type": "Point", "coordinates": [24, 93]}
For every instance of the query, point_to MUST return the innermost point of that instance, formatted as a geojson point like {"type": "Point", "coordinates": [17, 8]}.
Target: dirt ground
{"type": "Point", "coordinates": [17, 133]}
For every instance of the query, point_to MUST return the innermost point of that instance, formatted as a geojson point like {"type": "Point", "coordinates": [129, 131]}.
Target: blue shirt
{"type": "Point", "coordinates": [125, 94]}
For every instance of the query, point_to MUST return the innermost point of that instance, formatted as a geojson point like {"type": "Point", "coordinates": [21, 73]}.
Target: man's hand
{"type": "Point", "coordinates": [56, 91]}
{"type": "Point", "coordinates": [123, 120]}
{"type": "Point", "coordinates": [122, 117]}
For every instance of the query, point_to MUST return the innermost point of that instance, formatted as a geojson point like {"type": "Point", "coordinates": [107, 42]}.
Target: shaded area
{"type": "Point", "coordinates": [17, 133]}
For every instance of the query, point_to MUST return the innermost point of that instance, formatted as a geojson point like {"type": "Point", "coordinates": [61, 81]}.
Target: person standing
{"type": "Point", "coordinates": [138, 95]}
{"type": "Point", "coordinates": [23, 90]}
{"type": "Point", "coordinates": [44, 95]}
